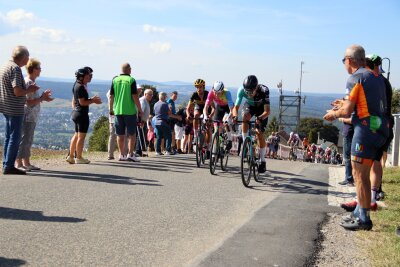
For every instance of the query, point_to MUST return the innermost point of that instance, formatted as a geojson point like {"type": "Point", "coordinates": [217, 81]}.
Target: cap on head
{"type": "Point", "coordinates": [375, 59]}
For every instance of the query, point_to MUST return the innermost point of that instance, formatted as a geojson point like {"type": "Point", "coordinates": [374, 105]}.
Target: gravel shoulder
{"type": "Point", "coordinates": [338, 247]}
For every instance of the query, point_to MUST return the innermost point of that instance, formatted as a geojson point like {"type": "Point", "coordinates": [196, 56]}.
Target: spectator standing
{"type": "Point", "coordinates": [145, 105]}
{"type": "Point", "coordinates": [13, 93]}
{"type": "Point", "coordinates": [32, 112]}
{"type": "Point", "coordinates": [347, 132]}
{"type": "Point", "coordinates": [162, 113]}
{"type": "Point", "coordinates": [367, 99]}
{"type": "Point", "coordinates": [179, 129]}
{"type": "Point", "coordinates": [80, 114]}
{"type": "Point", "coordinates": [112, 139]}
{"type": "Point", "coordinates": [171, 103]}
{"type": "Point", "coordinates": [124, 104]}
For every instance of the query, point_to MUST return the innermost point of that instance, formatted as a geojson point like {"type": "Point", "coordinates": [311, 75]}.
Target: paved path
{"type": "Point", "coordinates": [161, 212]}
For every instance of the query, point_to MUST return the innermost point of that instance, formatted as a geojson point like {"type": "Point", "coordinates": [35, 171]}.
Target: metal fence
{"type": "Point", "coordinates": [394, 152]}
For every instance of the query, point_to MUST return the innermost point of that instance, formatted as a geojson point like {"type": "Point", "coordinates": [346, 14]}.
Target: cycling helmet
{"type": "Point", "coordinates": [80, 73]}
{"type": "Point", "coordinates": [199, 82]}
{"type": "Point", "coordinates": [250, 83]}
{"type": "Point", "coordinates": [218, 86]}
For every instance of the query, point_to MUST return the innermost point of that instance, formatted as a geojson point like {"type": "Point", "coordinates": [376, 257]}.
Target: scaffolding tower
{"type": "Point", "coordinates": [290, 107]}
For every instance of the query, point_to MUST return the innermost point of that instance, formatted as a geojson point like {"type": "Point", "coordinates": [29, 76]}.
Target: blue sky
{"type": "Point", "coordinates": [214, 40]}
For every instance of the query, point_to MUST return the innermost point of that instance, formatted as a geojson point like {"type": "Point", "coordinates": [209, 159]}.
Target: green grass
{"type": "Point", "coordinates": [382, 245]}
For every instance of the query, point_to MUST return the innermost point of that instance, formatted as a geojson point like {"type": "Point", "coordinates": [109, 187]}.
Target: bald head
{"type": "Point", "coordinates": [126, 68]}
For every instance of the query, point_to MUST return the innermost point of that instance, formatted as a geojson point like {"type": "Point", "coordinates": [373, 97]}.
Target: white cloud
{"type": "Point", "coordinates": [107, 42]}
{"type": "Point", "coordinates": [17, 17]}
{"type": "Point", "coordinates": [47, 34]}
{"type": "Point", "coordinates": [147, 28]}
{"type": "Point", "coordinates": [160, 48]}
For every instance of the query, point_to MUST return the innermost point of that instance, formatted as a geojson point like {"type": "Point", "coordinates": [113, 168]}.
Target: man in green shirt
{"type": "Point", "coordinates": [124, 104]}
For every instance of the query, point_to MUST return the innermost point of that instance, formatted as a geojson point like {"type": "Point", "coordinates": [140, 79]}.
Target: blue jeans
{"type": "Point", "coordinates": [12, 139]}
{"type": "Point", "coordinates": [163, 131]}
{"type": "Point", "coordinates": [347, 156]}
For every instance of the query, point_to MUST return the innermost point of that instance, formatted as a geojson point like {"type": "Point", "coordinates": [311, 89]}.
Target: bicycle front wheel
{"type": "Point", "coordinates": [246, 162]}
{"type": "Point", "coordinates": [215, 150]}
{"type": "Point", "coordinates": [224, 158]}
{"type": "Point", "coordinates": [199, 150]}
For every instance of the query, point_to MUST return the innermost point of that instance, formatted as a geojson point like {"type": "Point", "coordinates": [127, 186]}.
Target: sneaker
{"type": "Point", "coordinates": [374, 206]}
{"type": "Point", "coordinates": [111, 158]}
{"type": "Point", "coordinates": [170, 153]}
{"type": "Point", "coordinates": [132, 158]}
{"type": "Point", "coordinates": [70, 160]}
{"type": "Point", "coordinates": [262, 167]}
{"type": "Point", "coordinates": [349, 206]}
{"type": "Point", "coordinates": [357, 224]}
{"type": "Point", "coordinates": [380, 196]}
{"type": "Point", "coordinates": [346, 182]}
{"type": "Point", "coordinates": [347, 218]}
{"type": "Point", "coordinates": [122, 158]}
{"type": "Point", "coordinates": [82, 161]}
{"type": "Point", "coordinates": [14, 170]}
{"type": "Point", "coordinates": [159, 154]}
{"type": "Point", "coordinates": [180, 151]}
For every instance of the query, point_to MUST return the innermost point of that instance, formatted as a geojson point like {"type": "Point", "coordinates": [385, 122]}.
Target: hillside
{"type": "Point", "coordinates": [55, 127]}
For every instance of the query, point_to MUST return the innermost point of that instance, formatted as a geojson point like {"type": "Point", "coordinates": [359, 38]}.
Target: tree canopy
{"type": "Point", "coordinates": [99, 139]}
{"type": "Point", "coordinates": [310, 127]}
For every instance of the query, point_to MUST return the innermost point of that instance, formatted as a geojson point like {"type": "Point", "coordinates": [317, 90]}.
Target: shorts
{"type": "Point", "coordinates": [171, 123]}
{"type": "Point", "coordinates": [388, 141]}
{"type": "Point", "coordinates": [366, 145]}
{"type": "Point", "coordinates": [255, 111]}
{"type": "Point", "coordinates": [188, 129]}
{"type": "Point", "coordinates": [179, 131]}
{"type": "Point", "coordinates": [125, 124]}
{"type": "Point", "coordinates": [199, 108]}
{"type": "Point", "coordinates": [220, 111]}
{"type": "Point", "coordinates": [81, 121]}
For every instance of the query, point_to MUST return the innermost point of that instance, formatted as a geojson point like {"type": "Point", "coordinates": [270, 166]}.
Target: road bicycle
{"type": "Point", "coordinates": [219, 151]}
{"type": "Point", "coordinates": [201, 149]}
{"type": "Point", "coordinates": [249, 162]}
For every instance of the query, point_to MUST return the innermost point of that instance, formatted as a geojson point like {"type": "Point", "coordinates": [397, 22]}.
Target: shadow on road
{"type": "Point", "coordinates": [11, 262]}
{"type": "Point", "coordinates": [32, 215]}
{"type": "Point", "coordinates": [94, 177]}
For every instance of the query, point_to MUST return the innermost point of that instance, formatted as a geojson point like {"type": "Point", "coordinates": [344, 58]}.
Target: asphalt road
{"type": "Point", "coordinates": [162, 211]}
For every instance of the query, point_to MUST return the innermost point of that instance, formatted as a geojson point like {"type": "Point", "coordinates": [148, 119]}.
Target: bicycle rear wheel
{"type": "Point", "coordinates": [215, 150]}
{"type": "Point", "coordinates": [246, 162]}
{"type": "Point", "coordinates": [199, 150]}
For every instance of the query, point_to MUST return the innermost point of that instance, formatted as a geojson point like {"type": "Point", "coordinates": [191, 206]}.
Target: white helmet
{"type": "Point", "coordinates": [218, 86]}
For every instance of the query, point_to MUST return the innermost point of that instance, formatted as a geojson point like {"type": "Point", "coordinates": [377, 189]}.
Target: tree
{"type": "Point", "coordinates": [396, 101]}
{"type": "Point", "coordinates": [98, 141]}
{"type": "Point", "coordinates": [310, 127]}
{"type": "Point", "coordinates": [273, 126]}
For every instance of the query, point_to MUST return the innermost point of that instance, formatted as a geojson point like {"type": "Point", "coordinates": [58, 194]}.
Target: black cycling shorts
{"type": "Point", "coordinates": [255, 111]}
{"type": "Point", "coordinates": [220, 111]}
{"type": "Point", "coordinates": [81, 121]}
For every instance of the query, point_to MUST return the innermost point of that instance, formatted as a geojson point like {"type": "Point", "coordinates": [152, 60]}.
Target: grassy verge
{"type": "Point", "coordinates": [382, 245]}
